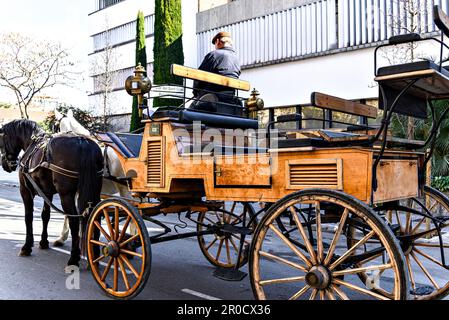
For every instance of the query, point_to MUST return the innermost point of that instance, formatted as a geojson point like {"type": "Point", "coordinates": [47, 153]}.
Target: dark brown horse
{"type": "Point", "coordinates": [66, 164]}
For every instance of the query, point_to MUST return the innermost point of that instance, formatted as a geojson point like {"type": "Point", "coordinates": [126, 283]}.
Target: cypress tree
{"type": "Point", "coordinates": [168, 47]}
{"type": "Point", "coordinates": [141, 57]}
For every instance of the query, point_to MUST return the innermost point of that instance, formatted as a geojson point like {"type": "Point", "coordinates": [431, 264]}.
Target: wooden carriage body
{"type": "Point", "coordinates": [167, 169]}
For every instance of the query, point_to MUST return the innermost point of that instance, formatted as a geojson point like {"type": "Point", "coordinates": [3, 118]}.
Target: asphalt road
{"type": "Point", "coordinates": [179, 270]}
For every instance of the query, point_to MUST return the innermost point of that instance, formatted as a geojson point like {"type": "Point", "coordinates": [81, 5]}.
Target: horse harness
{"type": "Point", "coordinates": [35, 157]}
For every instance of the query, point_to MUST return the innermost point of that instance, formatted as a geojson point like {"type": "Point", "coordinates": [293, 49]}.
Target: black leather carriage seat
{"type": "Point", "coordinates": [128, 144]}
{"type": "Point", "coordinates": [208, 119]}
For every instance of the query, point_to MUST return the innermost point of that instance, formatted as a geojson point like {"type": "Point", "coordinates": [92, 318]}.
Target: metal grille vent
{"type": "Point", "coordinates": [154, 165]}
{"type": "Point", "coordinates": [317, 173]}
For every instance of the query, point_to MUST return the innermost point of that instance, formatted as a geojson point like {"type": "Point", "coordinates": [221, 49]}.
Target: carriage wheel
{"type": "Point", "coordinates": [120, 259]}
{"type": "Point", "coordinates": [310, 260]}
{"type": "Point", "coordinates": [420, 243]}
{"type": "Point", "coordinates": [221, 248]}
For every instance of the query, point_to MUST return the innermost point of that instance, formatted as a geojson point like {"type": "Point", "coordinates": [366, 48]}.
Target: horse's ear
{"type": "Point", "coordinates": [70, 113]}
{"type": "Point", "coordinates": [58, 115]}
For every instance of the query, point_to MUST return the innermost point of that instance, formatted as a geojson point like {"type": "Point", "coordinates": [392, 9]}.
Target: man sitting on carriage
{"type": "Point", "coordinates": [223, 61]}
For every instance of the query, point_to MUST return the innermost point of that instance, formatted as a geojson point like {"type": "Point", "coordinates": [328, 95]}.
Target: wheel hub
{"type": "Point", "coordinates": [406, 245]}
{"type": "Point", "coordinates": [111, 249]}
{"type": "Point", "coordinates": [318, 277]}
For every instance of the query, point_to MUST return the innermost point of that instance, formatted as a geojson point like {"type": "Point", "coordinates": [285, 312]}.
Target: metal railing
{"type": "Point", "coordinates": [321, 27]}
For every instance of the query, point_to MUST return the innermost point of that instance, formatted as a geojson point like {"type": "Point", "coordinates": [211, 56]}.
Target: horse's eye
{"type": "Point", "coordinates": [10, 157]}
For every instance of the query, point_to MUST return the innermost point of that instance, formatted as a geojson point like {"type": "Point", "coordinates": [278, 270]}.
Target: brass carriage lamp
{"type": "Point", "coordinates": [138, 85]}
{"type": "Point", "coordinates": [254, 104]}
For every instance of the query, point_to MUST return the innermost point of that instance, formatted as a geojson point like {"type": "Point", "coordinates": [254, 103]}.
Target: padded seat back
{"type": "Point", "coordinates": [206, 118]}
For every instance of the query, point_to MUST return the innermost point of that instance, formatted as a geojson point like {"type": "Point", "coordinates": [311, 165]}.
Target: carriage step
{"type": "Point", "coordinates": [229, 274]}
{"type": "Point", "coordinates": [422, 291]}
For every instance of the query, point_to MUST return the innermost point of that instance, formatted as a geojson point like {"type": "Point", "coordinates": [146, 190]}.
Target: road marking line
{"type": "Point", "coordinates": [199, 294]}
{"type": "Point", "coordinates": [84, 258]}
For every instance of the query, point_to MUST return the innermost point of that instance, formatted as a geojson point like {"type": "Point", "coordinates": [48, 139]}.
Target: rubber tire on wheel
{"type": "Point", "coordinates": [120, 261]}
{"type": "Point", "coordinates": [261, 249]}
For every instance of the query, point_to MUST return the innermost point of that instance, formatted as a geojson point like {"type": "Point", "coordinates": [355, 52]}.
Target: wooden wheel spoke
{"type": "Point", "coordinates": [108, 223]}
{"type": "Point", "coordinates": [115, 275]}
{"type": "Point", "coordinates": [336, 237]}
{"type": "Point", "coordinates": [98, 259]}
{"type": "Point", "coordinates": [300, 293]}
{"type": "Point", "coordinates": [359, 289]}
{"type": "Point", "coordinates": [348, 253]}
{"type": "Point", "coordinates": [106, 270]}
{"type": "Point", "coordinates": [410, 271]}
{"type": "Point", "coordinates": [125, 227]}
{"type": "Point", "coordinates": [282, 260]}
{"type": "Point", "coordinates": [134, 237]}
{"type": "Point", "coordinates": [220, 246]}
{"type": "Point", "coordinates": [116, 222]}
{"type": "Point", "coordinates": [98, 242]}
{"type": "Point", "coordinates": [211, 244]}
{"type": "Point", "coordinates": [362, 269]}
{"type": "Point", "coordinates": [123, 271]}
{"type": "Point", "coordinates": [408, 223]}
{"type": "Point", "coordinates": [426, 272]}
{"type": "Point", "coordinates": [282, 280]}
{"type": "Point", "coordinates": [213, 222]}
{"type": "Point", "coordinates": [319, 235]}
{"type": "Point", "coordinates": [218, 216]}
{"type": "Point", "coordinates": [129, 265]}
{"type": "Point", "coordinates": [339, 292]}
{"type": "Point", "coordinates": [313, 294]}
{"type": "Point", "coordinates": [301, 230]}
{"type": "Point", "coordinates": [291, 246]}
{"type": "Point", "coordinates": [132, 253]}
{"type": "Point", "coordinates": [425, 255]}
{"type": "Point", "coordinates": [234, 245]}
{"type": "Point", "coordinates": [322, 297]}
{"type": "Point", "coordinates": [228, 251]}
{"type": "Point", "coordinates": [105, 234]}
{"type": "Point", "coordinates": [330, 295]}
{"type": "Point", "coordinates": [415, 228]}
{"type": "Point", "coordinates": [399, 221]}
{"type": "Point", "coordinates": [429, 245]}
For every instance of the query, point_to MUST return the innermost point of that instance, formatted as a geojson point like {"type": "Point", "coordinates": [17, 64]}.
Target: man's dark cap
{"type": "Point", "coordinates": [220, 35]}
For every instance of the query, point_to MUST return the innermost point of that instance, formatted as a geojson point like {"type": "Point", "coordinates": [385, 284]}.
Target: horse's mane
{"type": "Point", "coordinates": [22, 128]}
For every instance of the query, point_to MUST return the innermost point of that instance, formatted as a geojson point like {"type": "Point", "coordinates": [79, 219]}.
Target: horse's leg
{"type": "Point", "coordinates": [45, 215]}
{"type": "Point", "coordinates": [64, 234]}
{"type": "Point", "coordinates": [69, 207]}
{"type": "Point", "coordinates": [28, 199]}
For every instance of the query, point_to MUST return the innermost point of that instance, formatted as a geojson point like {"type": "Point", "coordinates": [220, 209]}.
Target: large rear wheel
{"type": "Point", "coordinates": [310, 259]}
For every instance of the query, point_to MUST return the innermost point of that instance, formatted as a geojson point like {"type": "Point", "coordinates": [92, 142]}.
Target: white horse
{"type": "Point", "coordinates": [69, 124]}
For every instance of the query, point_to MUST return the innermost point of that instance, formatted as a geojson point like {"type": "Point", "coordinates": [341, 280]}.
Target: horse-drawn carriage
{"type": "Point", "coordinates": [338, 212]}
{"type": "Point", "coordinates": [329, 213]}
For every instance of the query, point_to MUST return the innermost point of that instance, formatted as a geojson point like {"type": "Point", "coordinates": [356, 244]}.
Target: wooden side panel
{"type": "Point", "coordinates": [242, 171]}
{"type": "Point", "coordinates": [209, 77]}
{"type": "Point", "coordinates": [397, 179]}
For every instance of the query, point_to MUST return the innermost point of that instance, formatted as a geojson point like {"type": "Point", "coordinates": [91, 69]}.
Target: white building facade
{"type": "Point", "coordinates": [291, 48]}
{"type": "Point", "coordinates": [112, 25]}
{"type": "Point", "coordinates": [288, 48]}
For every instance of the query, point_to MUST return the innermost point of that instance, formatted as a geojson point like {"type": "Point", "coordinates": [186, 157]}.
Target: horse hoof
{"type": "Point", "coordinates": [25, 253]}
{"type": "Point", "coordinates": [43, 245]}
{"type": "Point", "coordinates": [58, 243]}
{"type": "Point", "coordinates": [73, 262]}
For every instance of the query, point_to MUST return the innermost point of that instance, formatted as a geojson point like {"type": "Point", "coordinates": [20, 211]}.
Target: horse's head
{"type": "Point", "coordinates": [9, 151]}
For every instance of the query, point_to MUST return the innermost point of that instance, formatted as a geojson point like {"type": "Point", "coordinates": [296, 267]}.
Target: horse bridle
{"type": "Point", "coordinates": [7, 157]}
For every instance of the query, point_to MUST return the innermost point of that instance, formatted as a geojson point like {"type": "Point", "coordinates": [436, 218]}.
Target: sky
{"type": "Point", "coordinates": [64, 21]}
